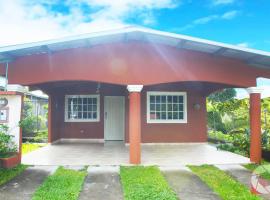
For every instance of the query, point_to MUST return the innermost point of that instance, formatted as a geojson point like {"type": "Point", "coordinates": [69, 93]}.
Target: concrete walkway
{"type": "Point", "coordinates": [116, 153]}
{"type": "Point", "coordinates": [23, 186]}
{"type": "Point", "coordinates": [102, 183]}
{"type": "Point", "coordinates": [187, 185]}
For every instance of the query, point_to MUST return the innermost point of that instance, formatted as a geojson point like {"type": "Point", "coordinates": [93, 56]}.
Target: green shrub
{"type": "Point", "coordinates": [266, 140]}
{"type": "Point", "coordinates": [241, 140]}
{"type": "Point", "coordinates": [218, 135]}
{"type": "Point", "coordinates": [7, 146]}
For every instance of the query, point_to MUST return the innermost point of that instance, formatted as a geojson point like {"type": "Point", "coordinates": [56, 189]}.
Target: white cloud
{"type": "Point", "coordinates": [222, 2]}
{"type": "Point", "coordinates": [204, 20]}
{"type": "Point", "coordinates": [29, 20]}
{"type": "Point", "coordinates": [230, 15]}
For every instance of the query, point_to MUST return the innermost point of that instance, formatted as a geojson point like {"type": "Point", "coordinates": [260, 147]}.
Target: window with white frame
{"type": "Point", "coordinates": [166, 107]}
{"type": "Point", "coordinates": [82, 108]}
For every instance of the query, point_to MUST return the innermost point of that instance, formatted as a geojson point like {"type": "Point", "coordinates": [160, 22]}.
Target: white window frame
{"type": "Point", "coordinates": [184, 120]}
{"type": "Point", "coordinates": [82, 120]}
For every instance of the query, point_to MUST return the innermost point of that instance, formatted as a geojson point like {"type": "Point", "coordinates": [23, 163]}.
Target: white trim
{"type": "Point", "coordinates": [252, 90]}
{"type": "Point", "coordinates": [149, 121]}
{"type": "Point", "coordinates": [79, 140]}
{"type": "Point", "coordinates": [82, 120]}
{"type": "Point", "coordinates": [134, 88]}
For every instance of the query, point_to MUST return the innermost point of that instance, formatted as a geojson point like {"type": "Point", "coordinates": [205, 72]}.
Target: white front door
{"type": "Point", "coordinates": [114, 117]}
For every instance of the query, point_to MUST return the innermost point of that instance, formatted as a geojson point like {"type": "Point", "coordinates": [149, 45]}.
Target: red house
{"type": "Point", "coordinates": [135, 84]}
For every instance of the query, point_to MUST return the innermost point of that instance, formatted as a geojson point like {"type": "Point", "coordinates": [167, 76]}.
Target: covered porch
{"type": "Point", "coordinates": [117, 153]}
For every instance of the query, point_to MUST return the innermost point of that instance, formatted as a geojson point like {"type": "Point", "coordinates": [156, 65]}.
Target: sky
{"type": "Point", "coordinates": [239, 22]}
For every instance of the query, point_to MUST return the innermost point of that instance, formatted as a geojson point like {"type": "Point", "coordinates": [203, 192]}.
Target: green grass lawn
{"type": "Point", "coordinates": [8, 174]}
{"type": "Point", "coordinates": [222, 184]}
{"type": "Point", "coordinates": [64, 184]}
{"type": "Point", "coordinates": [28, 147]}
{"type": "Point", "coordinates": [141, 183]}
{"type": "Point", "coordinates": [262, 169]}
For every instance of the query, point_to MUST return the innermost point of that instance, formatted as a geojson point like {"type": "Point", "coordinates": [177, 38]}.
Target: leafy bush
{"type": "Point", "coordinates": [241, 139]}
{"type": "Point", "coordinates": [7, 146]}
{"type": "Point", "coordinates": [266, 140]}
{"type": "Point", "coordinates": [218, 135]}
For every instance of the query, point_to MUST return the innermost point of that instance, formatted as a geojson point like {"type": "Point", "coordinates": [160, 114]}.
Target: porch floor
{"type": "Point", "coordinates": [116, 153]}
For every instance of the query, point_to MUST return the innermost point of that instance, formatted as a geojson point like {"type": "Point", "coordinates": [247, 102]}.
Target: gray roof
{"type": "Point", "coordinates": [252, 57]}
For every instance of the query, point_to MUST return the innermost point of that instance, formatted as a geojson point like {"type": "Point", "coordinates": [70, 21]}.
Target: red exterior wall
{"type": "Point", "coordinates": [94, 130]}
{"type": "Point", "coordinates": [193, 131]}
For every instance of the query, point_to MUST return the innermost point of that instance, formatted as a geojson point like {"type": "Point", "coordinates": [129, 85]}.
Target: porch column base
{"type": "Point", "coordinates": [255, 124]}
{"type": "Point", "coordinates": [135, 123]}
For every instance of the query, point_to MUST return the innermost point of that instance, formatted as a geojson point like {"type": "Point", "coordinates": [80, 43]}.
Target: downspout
{"type": "Point", "coordinates": [6, 76]}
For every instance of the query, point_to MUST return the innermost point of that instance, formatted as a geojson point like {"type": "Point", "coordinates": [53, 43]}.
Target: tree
{"type": "Point", "coordinates": [222, 96]}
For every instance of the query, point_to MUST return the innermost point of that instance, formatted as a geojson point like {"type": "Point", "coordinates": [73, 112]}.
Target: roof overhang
{"type": "Point", "coordinates": [256, 58]}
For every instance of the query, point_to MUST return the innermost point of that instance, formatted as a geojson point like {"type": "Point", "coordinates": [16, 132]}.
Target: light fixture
{"type": "Point", "coordinates": [197, 106]}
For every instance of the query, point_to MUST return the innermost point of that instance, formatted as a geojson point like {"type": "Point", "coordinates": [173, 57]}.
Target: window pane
{"type": "Point", "coordinates": [181, 107]}
{"type": "Point", "coordinates": [175, 107]}
{"type": "Point", "coordinates": [169, 115]}
{"type": "Point", "coordinates": [175, 115]}
{"type": "Point", "coordinates": [169, 107]}
{"type": "Point", "coordinates": [79, 100]}
{"type": "Point", "coordinates": [152, 107]}
{"type": "Point", "coordinates": [163, 115]}
{"type": "Point", "coordinates": [175, 99]}
{"type": "Point", "coordinates": [152, 115]}
{"type": "Point", "coordinates": [152, 99]}
{"type": "Point", "coordinates": [181, 115]}
{"type": "Point", "coordinates": [158, 99]}
{"type": "Point", "coordinates": [79, 107]}
{"type": "Point", "coordinates": [163, 107]}
{"type": "Point", "coordinates": [157, 107]}
{"type": "Point", "coordinates": [94, 115]}
{"type": "Point", "coordinates": [84, 115]}
{"type": "Point", "coordinates": [163, 99]}
{"type": "Point", "coordinates": [94, 107]}
{"type": "Point", "coordinates": [158, 115]}
{"type": "Point", "coordinates": [89, 115]}
{"type": "Point", "coordinates": [169, 99]}
{"type": "Point", "coordinates": [84, 107]}
{"type": "Point", "coordinates": [94, 100]}
{"type": "Point", "coordinates": [79, 115]}
{"type": "Point", "coordinates": [89, 100]}
{"type": "Point", "coordinates": [181, 99]}
{"type": "Point", "coordinates": [84, 100]}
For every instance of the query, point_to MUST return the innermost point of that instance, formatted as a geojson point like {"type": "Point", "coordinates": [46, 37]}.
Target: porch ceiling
{"type": "Point", "coordinates": [255, 58]}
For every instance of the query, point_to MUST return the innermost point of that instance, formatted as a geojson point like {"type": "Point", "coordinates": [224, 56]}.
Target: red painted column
{"type": "Point", "coordinates": [255, 124]}
{"type": "Point", "coordinates": [135, 123]}
{"type": "Point", "coordinates": [50, 119]}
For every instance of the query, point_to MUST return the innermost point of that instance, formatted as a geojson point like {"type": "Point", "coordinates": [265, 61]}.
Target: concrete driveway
{"type": "Point", "coordinates": [117, 153]}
